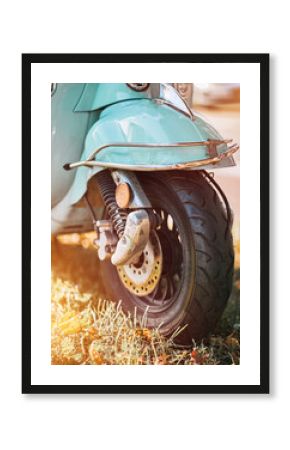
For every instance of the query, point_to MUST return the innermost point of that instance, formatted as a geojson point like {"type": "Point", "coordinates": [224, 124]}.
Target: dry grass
{"type": "Point", "coordinates": [88, 329]}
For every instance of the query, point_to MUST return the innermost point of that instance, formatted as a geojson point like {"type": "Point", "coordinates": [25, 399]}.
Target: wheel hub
{"type": "Point", "coordinates": [142, 277]}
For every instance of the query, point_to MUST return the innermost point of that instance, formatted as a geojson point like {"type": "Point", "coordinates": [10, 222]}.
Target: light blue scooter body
{"type": "Point", "coordinates": [143, 121]}
{"type": "Point", "coordinates": [87, 116]}
{"type": "Point", "coordinates": [68, 133]}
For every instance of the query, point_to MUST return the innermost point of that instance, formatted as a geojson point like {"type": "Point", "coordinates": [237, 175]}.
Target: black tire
{"type": "Point", "coordinates": [203, 251]}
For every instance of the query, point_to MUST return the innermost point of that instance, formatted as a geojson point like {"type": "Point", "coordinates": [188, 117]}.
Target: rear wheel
{"type": "Point", "coordinates": [195, 280]}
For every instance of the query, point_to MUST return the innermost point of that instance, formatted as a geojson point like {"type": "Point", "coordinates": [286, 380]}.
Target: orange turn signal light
{"type": "Point", "coordinates": [123, 195]}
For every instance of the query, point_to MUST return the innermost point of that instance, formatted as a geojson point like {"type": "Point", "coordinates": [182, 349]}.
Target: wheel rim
{"type": "Point", "coordinates": [168, 288]}
{"type": "Point", "coordinates": [142, 277]}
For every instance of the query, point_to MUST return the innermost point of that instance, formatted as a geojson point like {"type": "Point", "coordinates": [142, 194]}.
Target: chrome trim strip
{"type": "Point", "coordinates": [161, 101]}
{"type": "Point", "coordinates": [190, 113]}
{"type": "Point", "coordinates": [169, 88]}
{"type": "Point", "coordinates": [207, 143]}
{"type": "Point", "coordinates": [149, 167]}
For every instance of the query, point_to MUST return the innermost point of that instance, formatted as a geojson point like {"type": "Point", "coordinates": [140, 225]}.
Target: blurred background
{"type": "Point", "coordinates": [219, 103]}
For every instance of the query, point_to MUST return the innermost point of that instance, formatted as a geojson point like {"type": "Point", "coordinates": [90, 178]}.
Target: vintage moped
{"type": "Point", "coordinates": [130, 162]}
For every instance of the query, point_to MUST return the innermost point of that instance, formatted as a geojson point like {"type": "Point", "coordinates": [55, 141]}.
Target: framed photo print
{"type": "Point", "coordinates": [145, 223]}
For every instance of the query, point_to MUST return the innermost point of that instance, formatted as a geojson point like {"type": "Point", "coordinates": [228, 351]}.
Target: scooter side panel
{"type": "Point", "coordinates": [68, 132]}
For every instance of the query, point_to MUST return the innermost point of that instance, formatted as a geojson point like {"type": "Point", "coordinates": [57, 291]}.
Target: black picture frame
{"type": "Point", "coordinates": [263, 61]}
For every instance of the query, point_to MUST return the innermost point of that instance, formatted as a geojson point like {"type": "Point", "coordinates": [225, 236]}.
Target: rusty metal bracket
{"type": "Point", "coordinates": [212, 148]}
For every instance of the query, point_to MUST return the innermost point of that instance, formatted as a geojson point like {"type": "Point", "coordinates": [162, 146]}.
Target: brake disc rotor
{"type": "Point", "coordinates": [142, 278]}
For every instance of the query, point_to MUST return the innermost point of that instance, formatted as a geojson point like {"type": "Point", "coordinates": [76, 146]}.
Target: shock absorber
{"type": "Point", "coordinates": [133, 229]}
{"type": "Point", "coordinates": [107, 189]}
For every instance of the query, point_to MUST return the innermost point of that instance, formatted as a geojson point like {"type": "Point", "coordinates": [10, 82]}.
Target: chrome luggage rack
{"type": "Point", "coordinates": [213, 156]}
